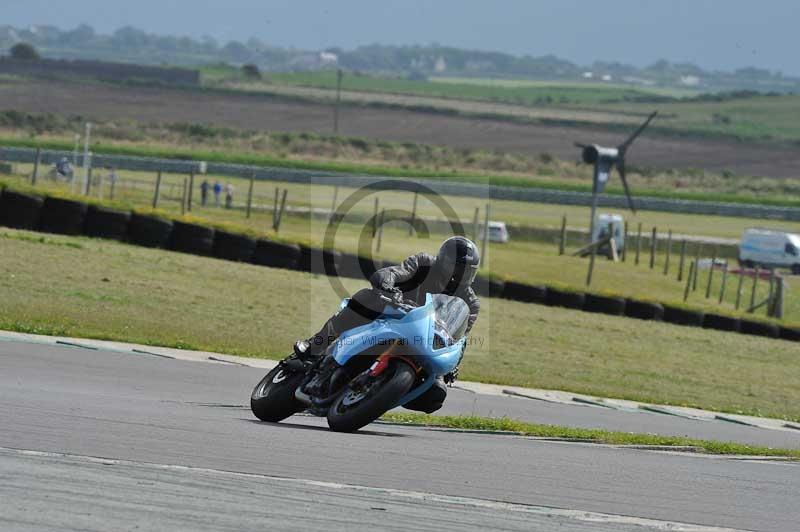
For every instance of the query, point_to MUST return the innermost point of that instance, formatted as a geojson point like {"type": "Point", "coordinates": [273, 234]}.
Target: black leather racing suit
{"type": "Point", "coordinates": [414, 277]}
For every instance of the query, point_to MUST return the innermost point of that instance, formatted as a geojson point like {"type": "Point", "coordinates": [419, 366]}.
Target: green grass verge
{"type": "Point", "coordinates": [522, 428]}
{"type": "Point", "coordinates": [250, 158]}
{"type": "Point", "coordinates": [82, 287]}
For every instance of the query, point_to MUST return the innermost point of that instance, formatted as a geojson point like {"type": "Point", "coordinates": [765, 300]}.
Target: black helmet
{"type": "Point", "coordinates": [457, 262]}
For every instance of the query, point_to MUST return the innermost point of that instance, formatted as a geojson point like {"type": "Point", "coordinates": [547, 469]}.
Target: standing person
{"type": "Point", "coordinates": [204, 186]}
{"type": "Point", "coordinates": [217, 192]}
{"type": "Point", "coordinates": [228, 195]}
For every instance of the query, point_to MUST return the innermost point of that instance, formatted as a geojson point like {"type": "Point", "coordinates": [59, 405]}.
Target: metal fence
{"type": "Point", "coordinates": [315, 177]}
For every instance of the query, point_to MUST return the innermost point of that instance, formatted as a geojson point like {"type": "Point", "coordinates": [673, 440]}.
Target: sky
{"type": "Point", "coordinates": [714, 34]}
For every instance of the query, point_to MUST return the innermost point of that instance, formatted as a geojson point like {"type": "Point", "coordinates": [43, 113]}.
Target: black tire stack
{"type": "Point", "coordinates": [721, 322]}
{"type": "Point", "coordinates": [759, 328]}
{"type": "Point", "coordinates": [20, 211]}
{"type": "Point", "coordinates": [682, 316]}
{"type": "Point", "coordinates": [557, 297]}
{"type": "Point", "coordinates": [614, 306]}
{"type": "Point", "coordinates": [643, 310]}
{"type": "Point", "coordinates": [488, 287]}
{"type": "Point", "coordinates": [149, 231]}
{"type": "Point", "coordinates": [192, 238]}
{"type": "Point", "coordinates": [525, 293]}
{"type": "Point", "coordinates": [233, 247]}
{"type": "Point", "coordinates": [276, 254]}
{"type": "Point", "coordinates": [106, 223]}
{"type": "Point", "coordinates": [62, 216]}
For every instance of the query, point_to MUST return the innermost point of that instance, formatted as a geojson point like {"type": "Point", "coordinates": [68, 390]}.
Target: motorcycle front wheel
{"type": "Point", "coordinates": [273, 398]}
{"type": "Point", "coordinates": [361, 404]}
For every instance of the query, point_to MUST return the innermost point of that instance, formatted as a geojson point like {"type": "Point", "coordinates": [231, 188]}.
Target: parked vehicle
{"type": "Point", "coordinates": [770, 249]}
{"type": "Point", "coordinates": [601, 224]}
{"type": "Point", "coordinates": [497, 232]}
{"type": "Point", "coordinates": [371, 369]}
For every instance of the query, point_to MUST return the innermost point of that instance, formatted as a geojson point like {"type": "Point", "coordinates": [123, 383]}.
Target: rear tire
{"type": "Point", "coordinates": [273, 398]}
{"type": "Point", "coordinates": [398, 380]}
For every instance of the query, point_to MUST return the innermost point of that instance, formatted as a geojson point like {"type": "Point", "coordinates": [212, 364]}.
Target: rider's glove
{"type": "Point", "coordinates": [451, 377]}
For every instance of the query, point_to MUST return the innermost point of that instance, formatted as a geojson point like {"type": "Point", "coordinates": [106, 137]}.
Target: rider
{"type": "Point", "coordinates": [450, 272]}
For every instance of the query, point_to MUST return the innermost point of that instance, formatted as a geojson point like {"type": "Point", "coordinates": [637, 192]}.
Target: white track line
{"type": "Point", "coordinates": [575, 515]}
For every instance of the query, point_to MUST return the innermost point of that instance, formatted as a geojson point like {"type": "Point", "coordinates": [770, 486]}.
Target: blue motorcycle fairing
{"type": "Point", "coordinates": [415, 329]}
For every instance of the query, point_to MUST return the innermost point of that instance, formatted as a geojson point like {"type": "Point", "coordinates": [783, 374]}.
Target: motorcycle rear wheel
{"type": "Point", "coordinates": [273, 397]}
{"type": "Point", "coordinates": [355, 408]}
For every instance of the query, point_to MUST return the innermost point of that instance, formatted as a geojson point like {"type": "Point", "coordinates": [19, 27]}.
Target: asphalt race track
{"type": "Point", "coordinates": [95, 440]}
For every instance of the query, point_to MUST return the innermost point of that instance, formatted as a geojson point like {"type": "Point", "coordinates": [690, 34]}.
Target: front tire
{"type": "Point", "coordinates": [273, 398]}
{"type": "Point", "coordinates": [355, 408]}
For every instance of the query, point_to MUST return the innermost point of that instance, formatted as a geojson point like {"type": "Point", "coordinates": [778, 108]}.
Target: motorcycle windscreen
{"type": "Point", "coordinates": [452, 314]}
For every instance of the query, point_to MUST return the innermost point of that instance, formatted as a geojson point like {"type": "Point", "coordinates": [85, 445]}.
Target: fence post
{"type": "Point", "coordinates": [375, 219]}
{"type": "Point", "coordinates": [669, 252]}
{"type": "Point", "coordinates": [380, 231]}
{"type": "Point", "coordinates": [475, 224]}
{"type": "Point", "coordinates": [413, 215]}
{"type": "Point", "coordinates": [113, 185]}
{"type": "Point", "coordinates": [681, 262]}
{"type": "Point", "coordinates": [183, 195]}
{"type": "Point", "coordinates": [333, 203]}
{"type": "Point", "coordinates": [191, 191]}
{"type": "Point", "coordinates": [724, 282]}
{"type": "Point", "coordinates": [625, 242]}
{"type": "Point", "coordinates": [157, 192]}
{"type": "Point", "coordinates": [771, 292]}
{"type": "Point", "coordinates": [283, 208]}
{"type": "Point", "coordinates": [739, 288]}
{"type": "Point", "coordinates": [696, 266]}
{"type": "Point", "coordinates": [485, 236]}
{"type": "Point", "coordinates": [250, 193]}
{"type": "Point", "coordinates": [89, 178]}
{"type": "Point", "coordinates": [777, 310]}
{"type": "Point", "coordinates": [688, 281]}
{"type": "Point", "coordinates": [711, 272]}
{"type": "Point", "coordinates": [562, 243]}
{"type": "Point", "coordinates": [35, 174]}
{"type": "Point", "coordinates": [756, 274]}
{"type": "Point", "coordinates": [653, 249]}
{"type": "Point", "coordinates": [591, 265]}
{"type": "Point", "coordinates": [275, 209]}
{"type": "Point", "coordinates": [87, 173]}
{"type": "Point", "coordinates": [638, 243]}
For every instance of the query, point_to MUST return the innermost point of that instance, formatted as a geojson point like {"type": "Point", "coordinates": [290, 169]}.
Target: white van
{"type": "Point", "coordinates": [497, 232]}
{"type": "Point", "coordinates": [601, 223]}
{"type": "Point", "coordinates": [765, 247]}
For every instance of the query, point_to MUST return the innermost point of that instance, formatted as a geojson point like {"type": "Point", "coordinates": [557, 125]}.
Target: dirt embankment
{"type": "Point", "coordinates": [245, 111]}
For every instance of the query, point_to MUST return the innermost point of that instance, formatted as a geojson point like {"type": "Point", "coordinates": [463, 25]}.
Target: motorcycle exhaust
{"type": "Point", "coordinates": [302, 397]}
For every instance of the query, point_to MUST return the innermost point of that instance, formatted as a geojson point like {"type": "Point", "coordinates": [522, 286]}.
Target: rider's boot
{"type": "Point", "coordinates": [314, 347]}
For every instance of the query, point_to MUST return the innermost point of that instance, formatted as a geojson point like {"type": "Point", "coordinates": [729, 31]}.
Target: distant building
{"type": "Point", "coordinates": [588, 75]}
{"type": "Point", "coordinates": [328, 58]}
{"type": "Point", "coordinates": [690, 81]}
{"type": "Point", "coordinates": [606, 77]}
{"type": "Point", "coordinates": [440, 65]}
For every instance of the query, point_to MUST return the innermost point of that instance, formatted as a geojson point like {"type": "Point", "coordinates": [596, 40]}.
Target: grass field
{"type": "Point", "coordinates": [102, 289]}
{"type": "Point", "coordinates": [761, 118]}
{"type": "Point", "coordinates": [526, 261]}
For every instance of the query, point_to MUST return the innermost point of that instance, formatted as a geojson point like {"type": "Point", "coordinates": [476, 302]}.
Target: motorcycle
{"type": "Point", "coordinates": [370, 369]}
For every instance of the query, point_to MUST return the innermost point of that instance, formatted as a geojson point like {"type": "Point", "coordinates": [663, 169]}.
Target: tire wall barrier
{"type": "Point", "coordinates": [20, 211]}
{"type": "Point", "coordinates": [230, 246]}
{"type": "Point", "coordinates": [57, 215]}
{"type": "Point", "coordinates": [612, 305]}
{"type": "Point", "coordinates": [192, 238]}
{"type": "Point", "coordinates": [106, 223]}
{"type": "Point", "coordinates": [62, 216]}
